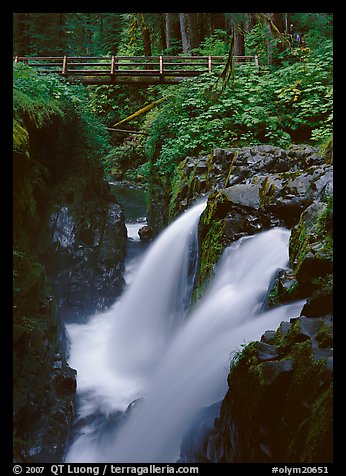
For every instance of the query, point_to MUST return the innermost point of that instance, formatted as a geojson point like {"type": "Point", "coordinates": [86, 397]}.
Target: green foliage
{"type": "Point", "coordinates": [255, 43]}
{"type": "Point", "coordinates": [216, 44]}
{"type": "Point", "coordinates": [40, 98]}
{"type": "Point", "coordinates": [125, 160]}
{"type": "Point", "coordinates": [290, 103]}
{"type": "Point", "coordinates": [315, 28]}
{"type": "Point", "coordinates": [113, 103]}
{"type": "Point", "coordinates": [294, 104]}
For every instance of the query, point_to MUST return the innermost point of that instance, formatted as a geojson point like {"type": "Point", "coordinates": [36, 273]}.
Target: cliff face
{"type": "Point", "coordinates": [279, 404]}
{"type": "Point", "coordinates": [69, 249]}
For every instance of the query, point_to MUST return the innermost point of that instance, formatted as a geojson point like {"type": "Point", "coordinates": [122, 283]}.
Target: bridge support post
{"type": "Point", "coordinates": [64, 66]}
{"type": "Point", "coordinates": [161, 64]}
{"type": "Point", "coordinates": [209, 63]}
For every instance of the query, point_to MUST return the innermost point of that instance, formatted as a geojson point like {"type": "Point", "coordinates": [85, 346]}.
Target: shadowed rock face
{"type": "Point", "coordinates": [69, 247]}
{"type": "Point", "coordinates": [86, 258]}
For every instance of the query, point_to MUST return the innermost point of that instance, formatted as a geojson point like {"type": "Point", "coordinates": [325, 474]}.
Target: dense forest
{"type": "Point", "coordinates": [288, 100]}
{"type": "Point", "coordinates": [254, 141]}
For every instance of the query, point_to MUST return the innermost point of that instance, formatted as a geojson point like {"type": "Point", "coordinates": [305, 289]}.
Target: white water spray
{"type": "Point", "coordinates": [178, 372]}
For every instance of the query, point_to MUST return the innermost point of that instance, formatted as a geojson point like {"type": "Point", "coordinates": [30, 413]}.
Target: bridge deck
{"type": "Point", "coordinates": [129, 69]}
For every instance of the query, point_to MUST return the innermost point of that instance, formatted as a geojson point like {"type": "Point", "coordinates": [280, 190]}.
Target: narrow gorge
{"type": "Point", "coordinates": [251, 263]}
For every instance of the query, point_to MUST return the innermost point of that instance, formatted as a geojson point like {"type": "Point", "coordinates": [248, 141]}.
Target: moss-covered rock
{"type": "Point", "coordinates": [279, 404]}
{"type": "Point", "coordinates": [37, 349]}
{"type": "Point", "coordinates": [311, 254]}
{"type": "Point", "coordinates": [253, 188]}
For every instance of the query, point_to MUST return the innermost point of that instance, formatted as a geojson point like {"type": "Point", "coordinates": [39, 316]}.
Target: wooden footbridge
{"type": "Point", "coordinates": [129, 69]}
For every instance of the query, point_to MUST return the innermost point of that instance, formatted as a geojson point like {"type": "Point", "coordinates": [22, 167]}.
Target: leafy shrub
{"type": "Point", "coordinates": [290, 104]}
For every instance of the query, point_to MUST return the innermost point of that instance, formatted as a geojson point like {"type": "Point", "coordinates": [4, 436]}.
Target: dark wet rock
{"type": "Point", "coordinates": [330, 364]}
{"type": "Point", "coordinates": [277, 372]}
{"type": "Point", "coordinates": [269, 337]}
{"type": "Point", "coordinates": [284, 328]}
{"type": "Point", "coordinates": [309, 328]}
{"type": "Point", "coordinates": [324, 354]}
{"type": "Point", "coordinates": [197, 445]}
{"type": "Point", "coordinates": [145, 233]}
{"type": "Point", "coordinates": [266, 352]}
{"type": "Point", "coordinates": [69, 247]}
{"type": "Point", "coordinates": [320, 302]}
{"type": "Point", "coordinates": [65, 382]}
{"type": "Point", "coordinates": [277, 408]}
{"type": "Point", "coordinates": [201, 166]}
{"type": "Point", "coordinates": [87, 264]}
{"type": "Point", "coordinates": [244, 195]}
{"type": "Point", "coordinates": [311, 255]}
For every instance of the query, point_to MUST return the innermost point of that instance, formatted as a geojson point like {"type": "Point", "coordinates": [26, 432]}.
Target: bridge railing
{"type": "Point", "coordinates": [129, 65]}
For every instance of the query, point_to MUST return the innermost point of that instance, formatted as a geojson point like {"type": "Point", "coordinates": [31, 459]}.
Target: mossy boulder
{"type": "Point", "coordinates": [249, 189]}
{"type": "Point", "coordinates": [311, 255]}
{"type": "Point", "coordinates": [278, 408]}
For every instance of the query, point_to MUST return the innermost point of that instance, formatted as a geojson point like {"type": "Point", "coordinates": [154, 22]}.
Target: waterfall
{"type": "Point", "coordinates": [145, 346]}
{"type": "Point", "coordinates": [151, 308]}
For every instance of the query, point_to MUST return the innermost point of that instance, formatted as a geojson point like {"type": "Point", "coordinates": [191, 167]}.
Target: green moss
{"type": "Point", "coordinates": [211, 237]}
{"type": "Point", "coordinates": [210, 252]}
{"type": "Point", "coordinates": [308, 411]}
{"type": "Point", "coordinates": [324, 337]}
{"type": "Point", "coordinates": [319, 437]}
{"type": "Point", "coordinates": [180, 179]}
{"type": "Point", "coordinates": [27, 275]}
{"type": "Point", "coordinates": [266, 192]}
{"type": "Point", "coordinates": [286, 342]}
{"type": "Point", "coordinates": [20, 139]}
{"type": "Point", "coordinates": [298, 245]}
{"type": "Point", "coordinates": [273, 297]}
{"type": "Point", "coordinates": [246, 389]}
{"type": "Point", "coordinates": [311, 231]}
{"type": "Point", "coordinates": [326, 150]}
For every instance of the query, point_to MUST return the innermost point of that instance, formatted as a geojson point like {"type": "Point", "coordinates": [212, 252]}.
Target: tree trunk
{"type": "Point", "coordinates": [163, 43]}
{"type": "Point", "coordinates": [217, 21]}
{"type": "Point", "coordinates": [269, 41]}
{"type": "Point", "coordinates": [251, 21]}
{"type": "Point", "coordinates": [168, 18]}
{"type": "Point", "coordinates": [196, 29]}
{"type": "Point", "coordinates": [278, 21]}
{"type": "Point", "coordinates": [239, 41]}
{"type": "Point", "coordinates": [145, 36]}
{"type": "Point", "coordinates": [185, 32]}
{"type": "Point", "coordinates": [146, 41]}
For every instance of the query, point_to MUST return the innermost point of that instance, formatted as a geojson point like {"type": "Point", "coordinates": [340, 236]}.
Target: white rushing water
{"type": "Point", "coordinates": [143, 346]}
{"type": "Point", "coordinates": [132, 262]}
